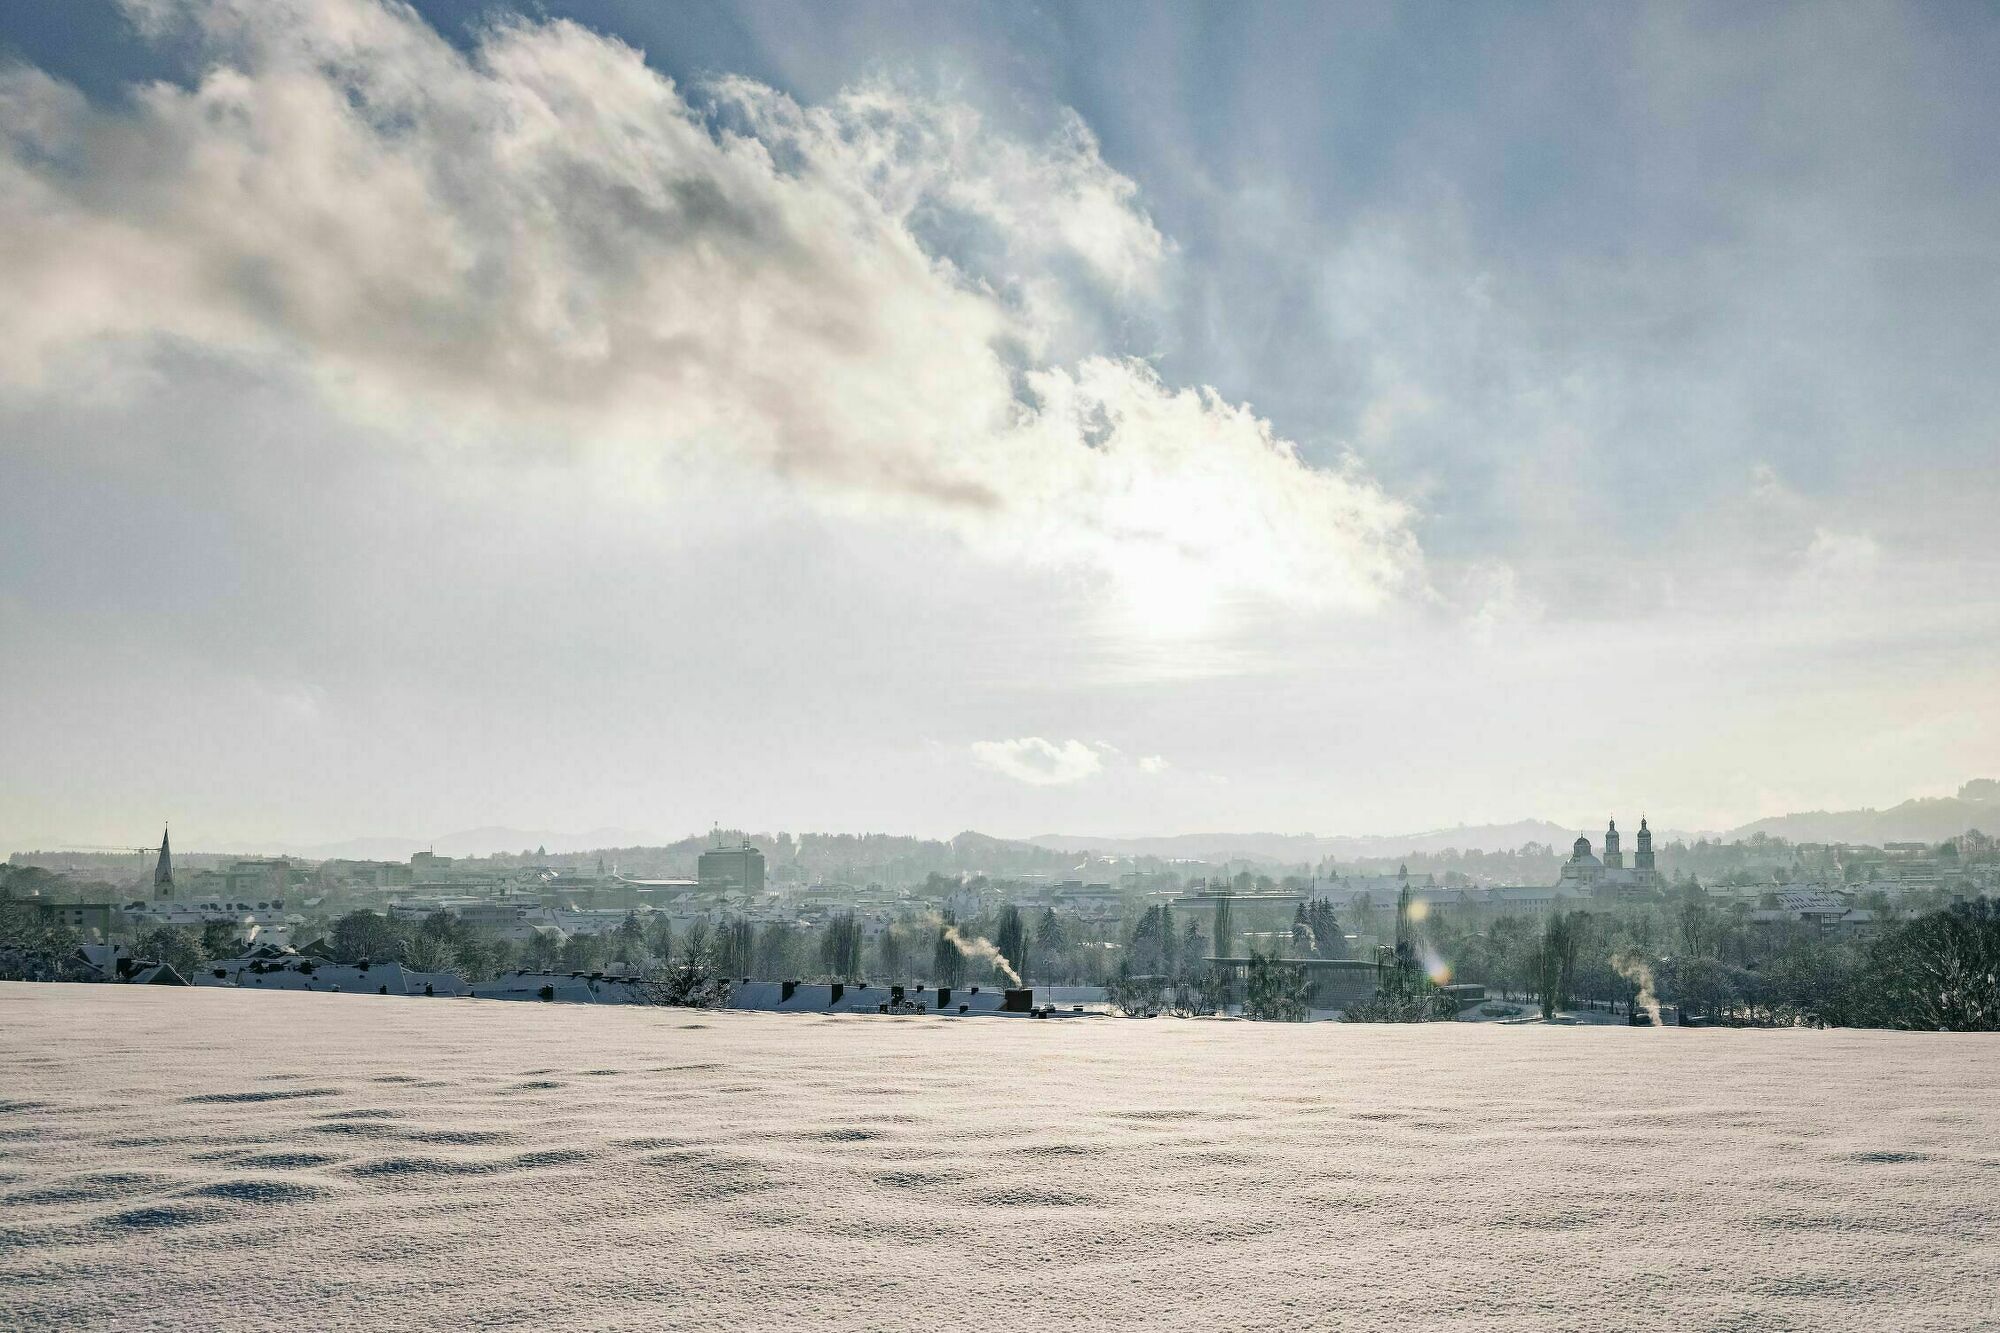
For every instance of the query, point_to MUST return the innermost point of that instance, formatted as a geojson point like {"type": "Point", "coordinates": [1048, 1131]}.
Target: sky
{"type": "Point", "coordinates": [1346, 419]}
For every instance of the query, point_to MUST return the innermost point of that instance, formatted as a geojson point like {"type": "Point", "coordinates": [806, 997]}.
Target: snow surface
{"type": "Point", "coordinates": [224, 1159]}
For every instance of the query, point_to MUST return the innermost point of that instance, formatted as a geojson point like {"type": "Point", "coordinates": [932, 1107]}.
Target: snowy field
{"type": "Point", "coordinates": [209, 1159]}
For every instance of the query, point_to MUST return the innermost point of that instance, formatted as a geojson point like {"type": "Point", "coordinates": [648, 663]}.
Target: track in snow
{"type": "Point", "coordinates": [211, 1159]}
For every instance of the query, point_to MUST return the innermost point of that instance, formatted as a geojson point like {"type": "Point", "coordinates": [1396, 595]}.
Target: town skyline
{"type": "Point", "coordinates": [1973, 803]}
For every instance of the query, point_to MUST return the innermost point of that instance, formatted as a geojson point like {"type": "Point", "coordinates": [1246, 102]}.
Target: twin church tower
{"type": "Point", "coordinates": [1586, 872]}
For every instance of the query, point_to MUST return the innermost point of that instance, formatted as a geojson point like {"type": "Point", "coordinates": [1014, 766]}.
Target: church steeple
{"type": "Point", "coordinates": [1643, 858]}
{"type": "Point", "coordinates": [1612, 856]}
{"type": "Point", "coordinates": [163, 869]}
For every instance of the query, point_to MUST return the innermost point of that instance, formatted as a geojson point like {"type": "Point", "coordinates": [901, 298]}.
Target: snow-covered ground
{"type": "Point", "coordinates": [221, 1159]}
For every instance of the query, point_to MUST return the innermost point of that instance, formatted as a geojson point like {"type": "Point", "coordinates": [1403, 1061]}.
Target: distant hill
{"type": "Point", "coordinates": [1930, 819]}
{"type": "Point", "coordinates": [474, 842]}
{"type": "Point", "coordinates": [1926, 819]}
{"type": "Point", "coordinates": [1297, 848]}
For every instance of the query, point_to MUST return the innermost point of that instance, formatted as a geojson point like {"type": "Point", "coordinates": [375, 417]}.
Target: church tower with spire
{"type": "Point", "coordinates": [1642, 860]}
{"type": "Point", "coordinates": [1613, 858]}
{"type": "Point", "coordinates": [163, 870]}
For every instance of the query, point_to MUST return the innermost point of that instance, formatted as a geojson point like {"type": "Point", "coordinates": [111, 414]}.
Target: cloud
{"type": "Point", "coordinates": [1841, 555]}
{"type": "Point", "coordinates": [1153, 763]}
{"type": "Point", "coordinates": [1037, 762]}
{"type": "Point", "coordinates": [543, 243]}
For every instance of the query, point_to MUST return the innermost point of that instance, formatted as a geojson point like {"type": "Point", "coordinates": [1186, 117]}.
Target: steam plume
{"type": "Point", "coordinates": [1635, 969]}
{"type": "Point", "coordinates": [981, 947]}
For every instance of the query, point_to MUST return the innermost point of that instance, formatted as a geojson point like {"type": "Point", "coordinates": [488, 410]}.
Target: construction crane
{"type": "Point", "coordinates": [142, 852]}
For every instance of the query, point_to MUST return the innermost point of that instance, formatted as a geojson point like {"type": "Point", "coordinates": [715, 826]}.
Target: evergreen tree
{"type": "Point", "coordinates": [219, 939]}
{"type": "Point", "coordinates": [775, 956]}
{"type": "Point", "coordinates": [1558, 962]}
{"type": "Point", "coordinates": [481, 956]}
{"type": "Point", "coordinates": [660, 937]}
{"type": "Point", "coordinates": [734, 949]}
{"type": "Point", "coordinates": [1275, 991]}
{"type": "Point", "coordinates": [1151, 948]}
{"type": "Point", "coordinates": [889, 953]}
{"type": "Point", "coordinates": [1193, 950]}
{"type": "Point", "coordinates": [176, 946]}
{"type": "Point", "coordinates": [364, 934]}
{"type": "Point", "coordinates": [1052, 944]}
{"type": "Point", "coordinates": [1303, 943]}
{"type": "Point", "coordinates": [440, 925]}
{"type": "Point", "coordinates": [1329, 940]}
{"type": "Point", "coordinates": [840, 948]}
{"type": "Point", "coordinates": [582, 953]}
{"type": "Point", "coordinates": [541, 952]}
{"type": "Point", "coordinates": [947, 963]}
{"type": "Point", "coordinates": [1011, 938]}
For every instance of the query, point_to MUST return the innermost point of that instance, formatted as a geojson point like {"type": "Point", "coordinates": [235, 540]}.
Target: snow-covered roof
{"type": "Point", "coordinates": [294, 972]}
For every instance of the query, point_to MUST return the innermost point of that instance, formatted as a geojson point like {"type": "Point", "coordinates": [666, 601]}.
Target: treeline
{"type": "Point", "coordinates": [30, 881]}
{"type": "Point", "coordinates": [858, 859]}
{"type": "Point", "coordinates": [1047, 947]}
{"type": "Point", "coordinates": [1940, 971]}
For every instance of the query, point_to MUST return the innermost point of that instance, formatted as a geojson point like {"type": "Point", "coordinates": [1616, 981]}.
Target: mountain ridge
{"type": "Point", "coordinates": [1919, 819]}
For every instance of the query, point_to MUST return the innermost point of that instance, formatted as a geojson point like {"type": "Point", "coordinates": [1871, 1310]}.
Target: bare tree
{"type": "Point", "coordinates": [691, 980]}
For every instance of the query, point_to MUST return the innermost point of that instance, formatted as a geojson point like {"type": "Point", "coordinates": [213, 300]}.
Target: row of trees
{"type": "Point", "coordinates": [734, 948]}
{"type": "Point", "coordinates": [1940, 970]}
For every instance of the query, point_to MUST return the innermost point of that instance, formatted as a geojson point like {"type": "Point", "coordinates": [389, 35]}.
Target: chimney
{"type": "Point", "coordinates": [838, 990]}
{"type": "Point", "coordinates": [944, 996]}
{"type": "Point", "coordinates": [1018, 1001]}
{"type": "Point", "coordinates": [785, 989]}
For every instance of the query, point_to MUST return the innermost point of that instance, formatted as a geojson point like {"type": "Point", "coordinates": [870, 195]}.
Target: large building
{"type": "Point", "coordinates": [260, 878]}
{"type": "Point", "coordinates": [87, 918]}
{"type": "Point", "coordinates": [1608, 876]}
{"type": "Point", "coordinates": [724, 868]}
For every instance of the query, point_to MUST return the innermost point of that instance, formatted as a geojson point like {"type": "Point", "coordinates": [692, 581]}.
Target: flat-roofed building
{"type": "Point", "coordinates": [84, 917]}
{"type": "Point", "coordinates": [739, 868]}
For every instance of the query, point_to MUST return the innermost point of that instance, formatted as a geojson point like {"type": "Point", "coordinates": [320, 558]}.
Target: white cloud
{"type": "Point", "coordinates": [1841, 555]}
{"type": "Point", "coordinates": [1153, 763]}
{"type": "Point", "coordinates": [543, 239]}
{"type": "Point", "coordinates": [1038, 762]}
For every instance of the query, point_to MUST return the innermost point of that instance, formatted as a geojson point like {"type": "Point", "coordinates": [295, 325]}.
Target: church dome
{"type": "Point", "coordinates": [1580, 849]}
